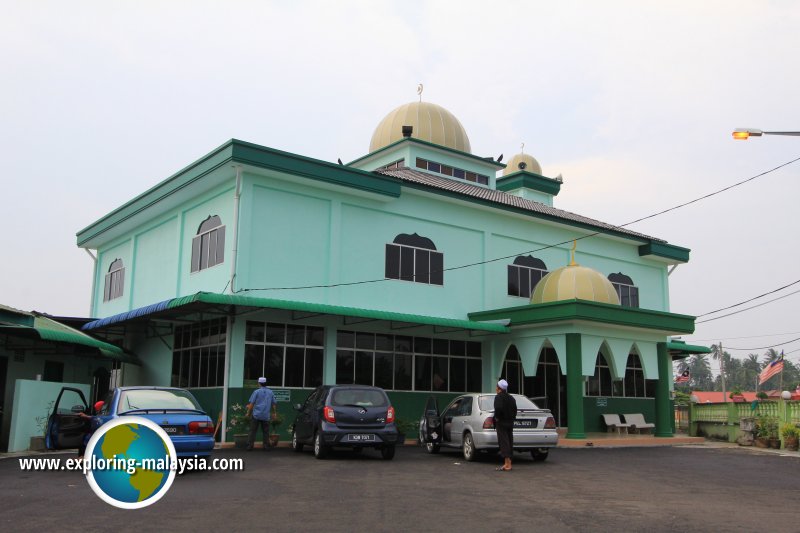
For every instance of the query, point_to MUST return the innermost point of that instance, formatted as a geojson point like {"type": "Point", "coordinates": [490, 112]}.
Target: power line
{"type": "Point", "coordinates": [748, 308]}
{"type": "Point", "coordinates": [478, 263]}
{"type": "Point", "coordinates": [764, 347]}
{"type": "Point", "coordinates": [746, 337]}
{"type": "Point", "coordinates": [751, 299]}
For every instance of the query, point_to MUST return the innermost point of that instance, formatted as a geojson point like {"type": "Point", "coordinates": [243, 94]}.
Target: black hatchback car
{"type": "Point", "coordinates": [352, 416]}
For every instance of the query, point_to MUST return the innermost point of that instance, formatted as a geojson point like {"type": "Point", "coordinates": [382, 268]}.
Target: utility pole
{"type": "Point", "coordinates": [722, 371]}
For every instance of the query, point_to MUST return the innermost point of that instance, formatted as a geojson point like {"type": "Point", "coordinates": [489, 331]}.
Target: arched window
{"type": "Point", "coordinates": [512, 371]}
{"type": "Point", "coordinates": [634, 378]}
{"type": "Point", "coordinates": [115, 281]}
{"type": "Point", "coordinates": [601, 384]}
{"type": "Point", "coordinates": [208, 246]}
{"type": "Point", "coordinates": [414, 258]}
{"type": "Point", "coordinates": [524, 274]}
{"type": "Point", "coordinates": [627, 292]}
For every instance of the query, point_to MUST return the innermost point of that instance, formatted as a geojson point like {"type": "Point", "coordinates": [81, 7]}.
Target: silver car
{"type": "Point", "coordinates": [468, 423]}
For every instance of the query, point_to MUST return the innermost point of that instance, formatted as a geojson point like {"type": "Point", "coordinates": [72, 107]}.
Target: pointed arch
{"type": "Point", "coordinates": [648, 354]}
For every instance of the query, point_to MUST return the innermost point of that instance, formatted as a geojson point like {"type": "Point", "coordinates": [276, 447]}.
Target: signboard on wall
{"type": "Point", "coordinates": [282, 395]}
{"type": "Point", "coordinates": [602, 402]}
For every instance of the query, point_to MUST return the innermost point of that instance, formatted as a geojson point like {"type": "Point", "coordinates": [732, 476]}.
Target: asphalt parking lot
{"type": "Point", "coordinates": [615, 489]}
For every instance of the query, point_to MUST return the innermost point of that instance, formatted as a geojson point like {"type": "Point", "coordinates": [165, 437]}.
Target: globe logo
{"type": "Point", "coordinates": [129, 462]}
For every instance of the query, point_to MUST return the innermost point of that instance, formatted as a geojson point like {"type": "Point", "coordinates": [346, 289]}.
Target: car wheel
{"type": "Point", "coordinates": [296, 444]}
{"type": "Point", "coordinates": [540, 454]}
{"type": "Point", "coordinates": [320, 450]}
{"type": "Point", "coordinates": [468, 447]}
{"type": "Point", "coordinates": [431, 447]}
{"type": "Point", "coordinates": [387, 452]}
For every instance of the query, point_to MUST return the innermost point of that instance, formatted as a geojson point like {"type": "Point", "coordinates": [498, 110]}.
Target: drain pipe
{"type": "Point", "coordinates": [94, 281]}
{"type": "Point", "coordinates": [237, 194]}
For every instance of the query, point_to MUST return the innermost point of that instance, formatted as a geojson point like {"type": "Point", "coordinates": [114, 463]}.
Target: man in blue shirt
{"type": "Point", "coordinates": [261, 409]}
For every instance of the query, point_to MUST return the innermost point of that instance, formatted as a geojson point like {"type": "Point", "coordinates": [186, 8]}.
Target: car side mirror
{"type": "Point", "coordinates": [77, 409]}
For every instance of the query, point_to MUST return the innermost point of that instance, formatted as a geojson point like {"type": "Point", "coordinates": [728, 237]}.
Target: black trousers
{"type": "Point", "coordinates": [505, 438]}
{"type": "Point", "coordinates": [254, 425]}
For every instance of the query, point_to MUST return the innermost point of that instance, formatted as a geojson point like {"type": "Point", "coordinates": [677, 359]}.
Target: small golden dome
{"type": "Point", "coordinates": [574, 282]}
{"type": "Point", "coordinates": [523, 162]}
{"type": "Point", "coordinates": [431, 123]}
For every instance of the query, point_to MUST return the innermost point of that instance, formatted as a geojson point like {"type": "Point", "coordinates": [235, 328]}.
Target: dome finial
{"type": "Point", "coordinates": [419, 91]}
{"type": "Point", "coordinates": [574, 247]}
{"type": "Point", "coordinates": [522, 148]}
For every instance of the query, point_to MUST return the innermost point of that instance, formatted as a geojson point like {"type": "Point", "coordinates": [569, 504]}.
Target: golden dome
{"type": "Point", "coordinates": [529, 164]}
{"type": "Point", "coordinates": [431, 123]}
{"type": "Point", "coordinates": [574, 282]}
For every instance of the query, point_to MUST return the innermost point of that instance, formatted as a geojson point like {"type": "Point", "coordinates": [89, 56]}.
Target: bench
{"type": "Point", "coordinates": [613, 422]}
{"type": "Point", "coordinates": [637, 422]}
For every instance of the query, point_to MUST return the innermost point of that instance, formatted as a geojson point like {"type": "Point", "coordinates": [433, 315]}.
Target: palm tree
{"type": "Point", "coordinates": [752, 368]}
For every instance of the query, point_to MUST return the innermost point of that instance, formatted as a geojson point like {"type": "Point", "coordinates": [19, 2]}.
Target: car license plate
{"type": "Point", "coordinates": [173, 430]}
{"type": "Point", "coordinates": [525, 423]}
{"type": "Point", "coordinates": [361, 438]}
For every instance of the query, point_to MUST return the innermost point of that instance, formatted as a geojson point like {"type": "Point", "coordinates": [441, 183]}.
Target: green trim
{"type": "Point", "coordinates": [590, 311]}
{"type": "Point", "coordinates": [236, 151]}
{"type": "Point", "coordinates": [687, 349]}
{"type": "Point", "coordinates": [663, 249]}
{"type": "Point", "coordinates": [486, 161]}
{"type": "Point", "coordinates": [528, 180]}
{"type": "Point", "coordinates": [251, 301]}
{"type": "Point", "coordinates": [665, 412]}
{"type": "Point", "coordinates": [575, 416]}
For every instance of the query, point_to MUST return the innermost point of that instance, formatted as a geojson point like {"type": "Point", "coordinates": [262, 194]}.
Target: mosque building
{"type": "Point", "coordinates": [420, 268]}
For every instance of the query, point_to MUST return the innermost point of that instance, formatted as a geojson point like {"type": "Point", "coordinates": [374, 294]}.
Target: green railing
{"type": "Point", "coordinates": [722, 420]}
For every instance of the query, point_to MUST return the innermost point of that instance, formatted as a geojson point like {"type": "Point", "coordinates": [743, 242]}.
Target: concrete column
{"type": "Point", "coordinates": [575, 423]}
{"type": "Point", "coordinates": [664, 407]}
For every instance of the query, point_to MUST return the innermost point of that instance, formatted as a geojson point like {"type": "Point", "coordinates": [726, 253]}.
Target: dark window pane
{"type": "Point", "coordinates": [345, 339]}
{"type": "Point", "coordinates": [185, 363]}
{"type": "Point", "coordinates": [212, 248]}
{"type": "Point", "coordinates": [220, 245]}
{"type": "Point", "coordinates": [384, 371]}
{"type": "Point", "coordinates": [422, 345]}
{"type": "Point", "coordinates": [176, 369]}
{"type": "Point", "coordinates": [524, 283]}
{"type": "Point", "coordinates": [384, 342]}
{"type": "Point", "coordinates": [441, 373]}
{"type": "Point", "coordinates": [616, 388]}
{"type": "Point", "coordinates": [605, 381]}
{"type": "Point", "coordinates": [314, 360]}
{"type": "Point", "coordinates": [471, 176]}
{"type": "Point", "coordinates": [177, 343]}
{"type": "Point", "coordinates": [407, 263]}
{"type": "Point", "coordinates": [220, 367]}
{"type": "Point", "coordinates": [458, 375]}
{"type": "Point", "coordinates": [474, 375]}
{"type": "Point", "coordinates": [402, 343]}
{"type": "Point", "coordinates": [295, 361]}
{"type": "Point", "coordinates": [634, 297]}
{"type": "Point", "coordinates": [392, 261]}
{"type": "Point", "coordinates": [422, 373]}
{"type": "Point", "coordinates": [434, 167]}
{"type": "Point", "coordinates": [315, 336]}
{"type": "Point", "coordinates": [441, 346]}
{"type": "Point", "coordinates": [421, 163]}
{"type": "Point", "coordinates": [276, 333]}
{"type": "Point", "coordinates": [483, 180]}
{"type": "Point", "coordinates": [203, 251]}
{"type": "Point", "coordinates": [295, 334]}
{"type": "Point", "coordinates": [447, 171]}
{"type": "Point", "coordinates": [253, 361]}
{"type": "Point", "coordinates": [205, 366]}
{"type": "Point", "coordinates": [630, 383]}
{"type": "Point", "coordinates": [437, 268]}
{"type": "Point", "coordinates": [513, 281]}
{"type": "Point", "coordinates": [639, 380]}
{"type": "Point", "coordinates": [512, 376]}
{"type": "Point", "coordinates": [344, 366]}
{"type": "Point", "coordinates": [473, 349]}
{"type": "Point", "coordinates": [422, 266]}
{"type": "Point", "coordinates": [364, 368]}
{"type": "Point", "coordinates": [195, 254]}
{"type": "Point", "coordinates": [458, 348]}
{"type": "Point", "coordinates": [365, 341]}
{"type": "Point", "coordinates": [402, 372]}
{"type": "Point", "coordinates": [254, 331]}
{"type": "Point", "coordinates": [458, 173]}
{"type": "Point", "coordinates": [273, 370]}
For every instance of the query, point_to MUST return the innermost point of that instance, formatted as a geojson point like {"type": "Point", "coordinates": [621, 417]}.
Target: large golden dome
{"type": "Point", "coordinates": [431, 123]}
{"type": "Point", "coordinates": [523, 162]}
{"type": "Point", "coordinates": [574, 282]}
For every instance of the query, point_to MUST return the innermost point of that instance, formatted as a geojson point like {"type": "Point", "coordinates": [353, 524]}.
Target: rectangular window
{"type": "Point", "coordinates": [421, 163]}
{"type": "Point", "coordinates": [414, 264]}
{"type": "Point", "coordinates": [208, 249]}
{"type": "Point", "coordinates": [434, 167]}
{"type": "Point", "coordinates": [458, 173]}
{"type": "Point", "coordinates": [198, 356]}
{"type": "Point", "coordinates": [288, 355]}
{"type": "Point", "coordinates": [483, 180]}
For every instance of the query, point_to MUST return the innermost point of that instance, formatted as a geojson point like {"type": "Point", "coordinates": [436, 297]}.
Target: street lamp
{"type": "Point", "coordinates": [742, 134]}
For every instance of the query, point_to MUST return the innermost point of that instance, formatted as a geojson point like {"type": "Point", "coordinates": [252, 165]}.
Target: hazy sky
{"type": "Point", "coordinates": [633, 103]}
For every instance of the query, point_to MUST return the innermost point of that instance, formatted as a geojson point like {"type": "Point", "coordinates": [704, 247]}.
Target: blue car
{"type": "Point", "coordinates": [175, 410]}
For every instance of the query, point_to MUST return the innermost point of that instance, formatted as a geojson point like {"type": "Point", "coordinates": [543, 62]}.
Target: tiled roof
{"type": "Point", "coordinates": [502, 198]}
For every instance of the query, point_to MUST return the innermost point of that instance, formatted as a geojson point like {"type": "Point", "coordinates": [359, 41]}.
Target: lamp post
{"type": "Point", "coordinates": [742, 134]}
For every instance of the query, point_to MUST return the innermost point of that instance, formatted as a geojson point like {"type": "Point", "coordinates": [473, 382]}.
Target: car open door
{"type": "Point", "coordinates": [430, 426]}
{"type": "Point", "coordinates": [65, 427]}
